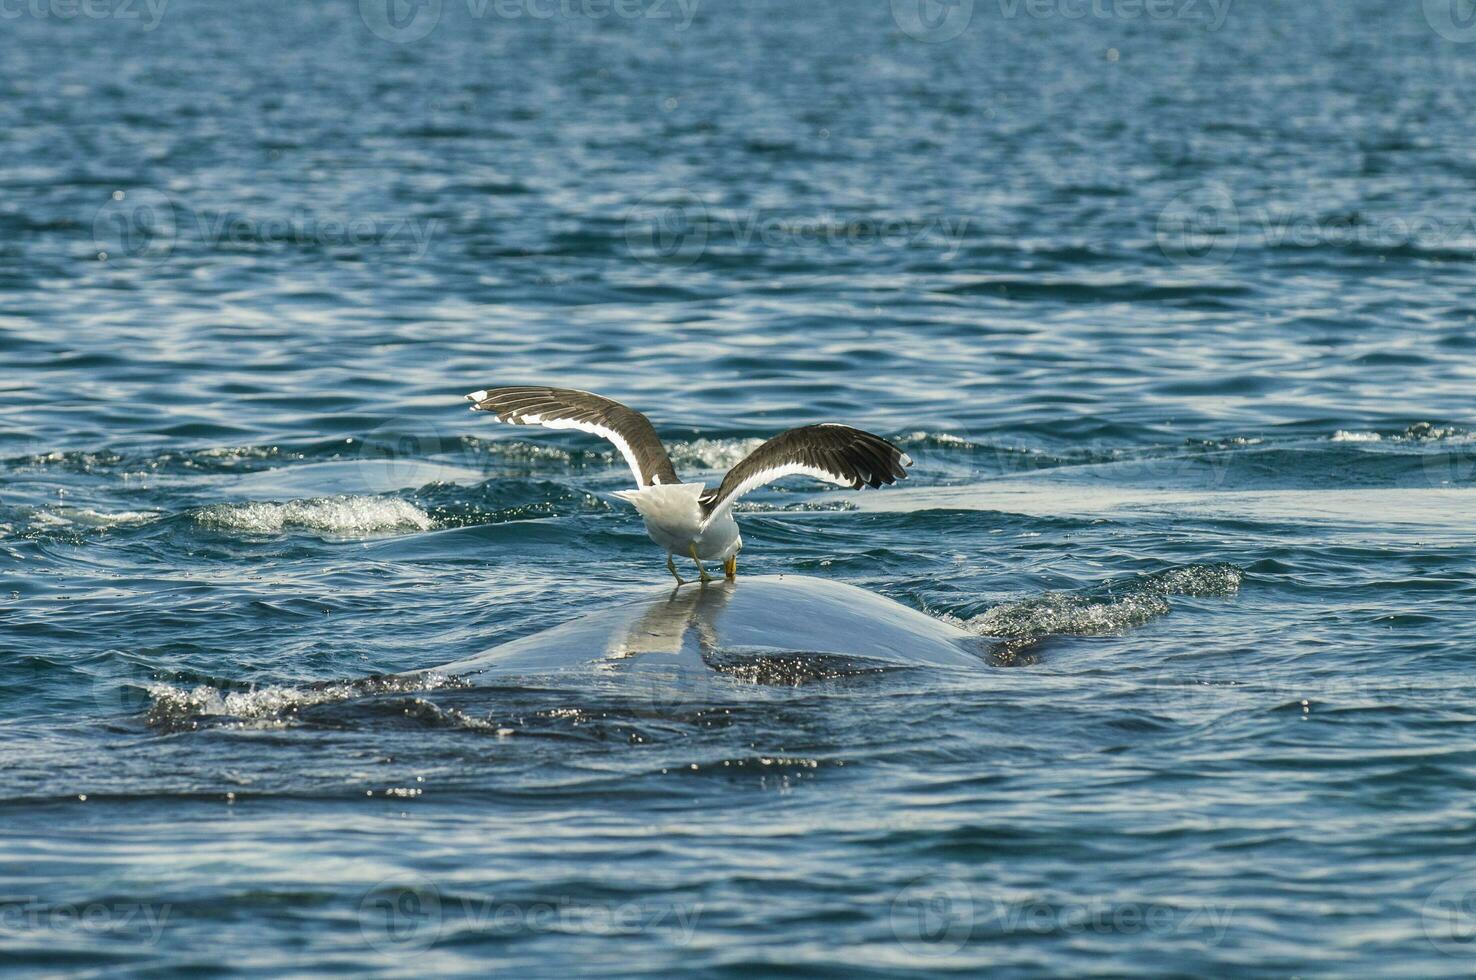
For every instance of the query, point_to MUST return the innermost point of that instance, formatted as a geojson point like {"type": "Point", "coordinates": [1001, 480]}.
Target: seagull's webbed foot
{"type": "Point", "coordinates": [701, 572]}
{"type": "Point", "coordinates": [671, 567]}
{"type": "Point", "coordinates": [730, 568]}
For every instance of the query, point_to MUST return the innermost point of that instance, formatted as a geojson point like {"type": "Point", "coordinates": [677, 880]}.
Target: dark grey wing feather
{"type": "Point", "coordinates": [567, 408]}
{"type": "Point", "coordinates": [836, 453]}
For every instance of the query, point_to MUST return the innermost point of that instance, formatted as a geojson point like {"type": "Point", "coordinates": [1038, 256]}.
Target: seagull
{"type": "Point", "coordinates": [688, 519]}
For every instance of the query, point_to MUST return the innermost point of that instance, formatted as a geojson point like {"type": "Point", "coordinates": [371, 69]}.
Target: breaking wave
{"type": "Point", "coordinates": [711, 454]}
{"type": "Point", "coordinates": [346, 516]}
{"type": "Point", "coordinates": [1105, 609]}
{"type": "Point", "coordinates": [1419, 432]}
{"type": "Point", "coordinates": [173, 708]}
{"type": "Point", "coordinates": [87, 517]}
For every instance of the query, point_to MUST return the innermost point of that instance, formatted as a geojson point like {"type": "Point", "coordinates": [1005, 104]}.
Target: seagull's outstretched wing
{"type": "Point", "coordinates": [835, 453]}
{"type": "Point", "coordinates": [566, 408]}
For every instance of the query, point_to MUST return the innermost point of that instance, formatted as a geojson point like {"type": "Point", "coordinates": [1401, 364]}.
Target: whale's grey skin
{"type": "Point", "coordinates": [663, 659]}
{"type": "Point", "coordinates": [767, 629]}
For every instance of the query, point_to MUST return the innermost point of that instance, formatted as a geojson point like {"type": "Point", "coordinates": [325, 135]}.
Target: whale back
{"type": "Point", "coordinates": [650, 663]}
{"type": "Point", "coordinates": [767, 628]}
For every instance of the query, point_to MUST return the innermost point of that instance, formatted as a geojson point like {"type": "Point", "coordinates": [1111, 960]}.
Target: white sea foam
{"type": "Point", "coordinates": [923, 437]}
{"type": "Point", "coordinates": [173, 706]}
{"type": "Point", "coordinates": [1100, 611]}
{"type": "Point", "coordinates": [346, 516]}
{"type": "Point", "coordinates": [481, 449]}
{"type": "Point", "coordinates": [1058, 613]}
{"type": "Point", "coordinates": [87, 517]}
{"type": "Point", "coordinates": [711, 454]}
{"type": "Point", "coordinates": [1419, 432]}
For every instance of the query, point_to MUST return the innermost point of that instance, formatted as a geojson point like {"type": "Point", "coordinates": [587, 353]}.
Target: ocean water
{"type": "Point", "coordinates": [1171, 303]}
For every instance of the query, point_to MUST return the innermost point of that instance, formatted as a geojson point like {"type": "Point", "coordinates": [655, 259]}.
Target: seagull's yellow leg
{"type": "Point", "coordinates": [671, 567]}
{"type": "Point", "coordinates": [730, 568]}
{"type": "Point", "coordinates": [701, 572]}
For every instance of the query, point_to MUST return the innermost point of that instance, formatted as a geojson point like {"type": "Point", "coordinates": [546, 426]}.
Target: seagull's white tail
{"type": "Point", "coordinates": [672, 513]}
{"type": "Point", "coordinates": [669, 504]}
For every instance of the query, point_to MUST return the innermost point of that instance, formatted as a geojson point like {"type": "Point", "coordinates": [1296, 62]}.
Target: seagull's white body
{"type": "Point", "coordinates": [673, 516]}
{"type": "Point", "coordinates": [687, 519]}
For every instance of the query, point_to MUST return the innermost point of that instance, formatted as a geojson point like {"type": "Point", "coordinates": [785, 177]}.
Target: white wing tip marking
{"type": "Point", "coordinates": [906, 460]}
{"type": "Point", "coordinates": [477, 396]}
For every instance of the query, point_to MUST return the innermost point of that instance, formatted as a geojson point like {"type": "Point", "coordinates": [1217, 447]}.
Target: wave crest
{"type": "Point", "coordinates": [345, 516]}
{"type": "Point", "coordinates": [173, 708]}
{"type": "Point", "coordinates": [1105, 609]}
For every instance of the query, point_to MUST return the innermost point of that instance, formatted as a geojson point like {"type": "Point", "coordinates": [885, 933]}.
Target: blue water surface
{"type": "Point", "coordinates": [1171, 303]}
